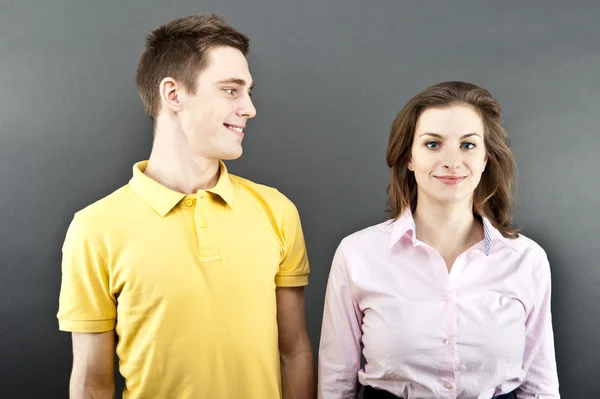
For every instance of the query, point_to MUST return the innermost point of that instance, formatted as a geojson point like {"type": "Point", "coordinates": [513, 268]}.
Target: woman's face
{"type": "Point", "coordinates": [448, 154]}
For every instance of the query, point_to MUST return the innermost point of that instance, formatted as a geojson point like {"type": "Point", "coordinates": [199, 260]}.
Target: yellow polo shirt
{"type": "Point", "coordinates": [188, 282]}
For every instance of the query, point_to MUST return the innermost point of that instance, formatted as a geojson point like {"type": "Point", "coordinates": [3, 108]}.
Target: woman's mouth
{"type": "Point", "coordinates": [450, 180]}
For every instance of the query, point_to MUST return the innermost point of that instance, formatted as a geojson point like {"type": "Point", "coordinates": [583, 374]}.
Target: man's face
{"type": "Point", "coordinates": [213, 118]}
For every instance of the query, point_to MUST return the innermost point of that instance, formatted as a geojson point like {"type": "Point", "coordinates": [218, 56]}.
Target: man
{"type": "Point", "coordinates": [199, 273]}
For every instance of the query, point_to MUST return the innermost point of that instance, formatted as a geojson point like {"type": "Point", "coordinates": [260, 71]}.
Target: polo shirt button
{"type": "Point", "coordinates": [188, 203]}
{"type": "Point", "coordinates": [448, 386]}
{"type": "Point", "coordinates": [201, 224]}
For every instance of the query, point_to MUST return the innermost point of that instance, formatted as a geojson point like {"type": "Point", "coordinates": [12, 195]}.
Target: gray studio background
{"type": "Point", "coordinates": [330, 78]}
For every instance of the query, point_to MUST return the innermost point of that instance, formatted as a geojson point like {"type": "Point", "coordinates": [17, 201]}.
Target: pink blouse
{"type": "Point", "coordinates": [482, 330]}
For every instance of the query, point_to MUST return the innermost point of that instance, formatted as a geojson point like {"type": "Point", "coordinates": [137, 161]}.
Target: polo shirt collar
{"type": "Point", "coordinates": [163, 199]}
{"type": "Point", "coordinates": [224, 187]}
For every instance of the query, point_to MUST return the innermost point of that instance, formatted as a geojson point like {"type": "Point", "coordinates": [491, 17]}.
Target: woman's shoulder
{"type": "Point", "coordinates": [526, 246]}
{"type": "Point", "coordinates": [369, 237]}
{"type": "Point", "coordinates": [531, 258]}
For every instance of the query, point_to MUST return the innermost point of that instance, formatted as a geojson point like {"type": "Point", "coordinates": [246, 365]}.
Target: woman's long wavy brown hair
{"type": "Point", "coordinates": [493, 197]}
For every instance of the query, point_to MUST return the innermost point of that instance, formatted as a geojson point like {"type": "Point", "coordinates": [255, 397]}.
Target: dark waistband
{"type": "Point", "coordinates": [372, 393]}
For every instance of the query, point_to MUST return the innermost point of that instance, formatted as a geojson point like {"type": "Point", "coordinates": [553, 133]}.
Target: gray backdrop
{"type": "Point", "coordinates": [330, 78]}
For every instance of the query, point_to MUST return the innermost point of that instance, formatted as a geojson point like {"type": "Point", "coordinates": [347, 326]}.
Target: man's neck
{"type": "Point", "coordinates": [447, 227]}
{"type": "Point", "coordinates": [175, 167]}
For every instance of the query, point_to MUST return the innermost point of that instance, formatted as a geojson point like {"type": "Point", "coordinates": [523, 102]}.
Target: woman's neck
{"type": "Point", "coordinates": [449, 228]}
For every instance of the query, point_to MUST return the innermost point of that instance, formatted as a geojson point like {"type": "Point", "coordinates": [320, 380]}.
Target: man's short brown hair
{"type": "Point", "coordinates": [179, 49]}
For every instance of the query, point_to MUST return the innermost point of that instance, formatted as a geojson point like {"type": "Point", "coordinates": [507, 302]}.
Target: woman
{"type": "Point", "coordinates": [447, 299]}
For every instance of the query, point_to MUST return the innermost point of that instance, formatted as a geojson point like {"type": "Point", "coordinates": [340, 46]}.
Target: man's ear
{"type": "Point", "coordinates": [170, 92]}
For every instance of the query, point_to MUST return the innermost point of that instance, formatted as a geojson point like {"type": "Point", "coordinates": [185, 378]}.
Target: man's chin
{"type": "Point", "coordinates": [231, 156]}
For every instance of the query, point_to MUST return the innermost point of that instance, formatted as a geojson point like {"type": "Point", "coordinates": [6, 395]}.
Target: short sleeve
{"type": "Point", "coordinates": [85, 302]}
{"type": "Point", "coordinates": [294, 267]}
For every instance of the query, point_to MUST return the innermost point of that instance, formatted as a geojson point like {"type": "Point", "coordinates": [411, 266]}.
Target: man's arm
{"type": "Point", "coordinates": [297, 367]}
{"type": "Point", "coordinates": [93, 366]}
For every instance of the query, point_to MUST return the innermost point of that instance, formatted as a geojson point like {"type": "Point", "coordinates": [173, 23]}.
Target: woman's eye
{"type": "Point", "coordinates": [432, 145]}
{"type": "Point", "coordinates": [468, 146]}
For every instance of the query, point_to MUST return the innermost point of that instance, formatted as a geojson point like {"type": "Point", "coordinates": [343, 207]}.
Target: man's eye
{"type": "Point", "coordinates": [432, 145]}
{"type": "Point", "coordinates": [230, 91]}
